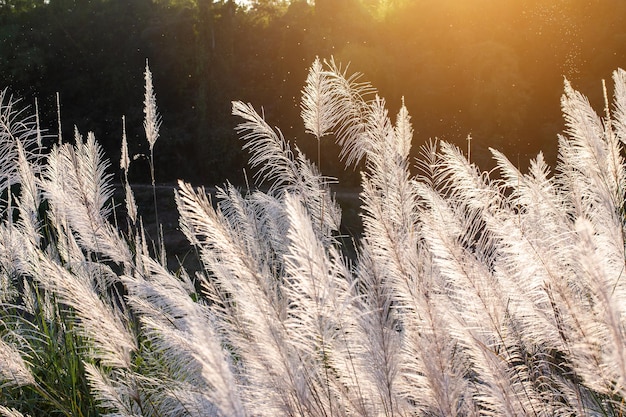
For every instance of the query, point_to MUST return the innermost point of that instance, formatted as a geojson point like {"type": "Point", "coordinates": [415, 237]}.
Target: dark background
{"type": "Point", "coordinates": [490, 68]}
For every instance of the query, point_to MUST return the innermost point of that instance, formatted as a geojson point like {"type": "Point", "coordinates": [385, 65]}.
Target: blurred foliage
{"type": "Point", "coordinates": [484, 68]}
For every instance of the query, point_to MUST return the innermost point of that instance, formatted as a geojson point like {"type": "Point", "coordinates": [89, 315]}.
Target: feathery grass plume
{"type": "Point", "coordinates": [390, 232]}
{"type": "Point", "coordinates": [271, 153]}
{"type": "Point", "coordinates": [326, 106]}
{"type": "Point", "coordinates": [29, 199]}
{"type": "Point", "coordinates": [619, 106]}
{"type": "Point", "coordinates": [37, 301]}
{"type": "Point", "coordinates": [480, 314]}
{"type": "Point", "coordinates": [181, 331]}
{"type": "Point", "coordinates": [14, 371]}
{"type": "Point", "coordinates": [152, 124]}
{"type": "Point", "coordinates": [431, 368]}
{"type": "Point", "coordinates": [10, 412]}
{"type": "Point", "coordinates": [532, 234]}
{"type": "Point", "coordinates": [251, 306]}
{"type": "Point", "coordinates": [591, 160]}
{"type": "Point", "coordinates": [112, 341]}
{"type": "Point", "coordinates": [351, 99]}
{"type": "Point", "coordinates": [590, 157]}
{"type": "Point", "coordinates": [314, 188]}
{"type": "Point", "coordinates": [318, 113]}
{"type": "Point", "coordinates": [124, 158]}
{"type": "Point", "coordinates": [113, 394]}
{"type": "Point", "coordinates": [79, 189]}
{"type": "Point", "coordinates": [152, 120]}
{"type": "Point", "coordinates": [592, 169]}
{"type": "Point", "coordinates": [15, 128]}
{"type": "Point", "coordinates": [322, 320]}
{"type": "Point", "coordinates": [388, 167]}
{"type": "Point", "coordinates": [389, 202]}
{"type": "Point", "coordinates": [603, 343]}
{"type": "Point", "coordinates": [520, 240]}
{"type": "Point", "coordinates": [380, 341]}
{"type": "Point", "coordinates": [246, 304]}
{"type": "Point", "coordinates": [7, 290]}
{"type": "Point", "coordinates": [11, 262]}
{"type": "Point", "coordinates": [59, 126]}
{"type": "Point", "coordinates": [259, 218]}
{"type": "Point", "coordinates": [390, 215]}
{"type": "Point", "coordinates": [257, 294]}
{"type": "Point", "coordinates": [39, 137]}
{"type": "Point", "coordinates": [65, 249]}
{"type": "Point", "coordinates": [463, 181]}
{"type": "Point", "coordinates": [131, 206]}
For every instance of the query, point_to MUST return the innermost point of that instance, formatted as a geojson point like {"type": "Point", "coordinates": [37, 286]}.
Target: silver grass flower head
{"type": "Point", "coordinates": [17, 128]}
{"type": "Point", "coordinates": [124, 159]}
{"type": "Point", "coordinates": [109, 393]}
{"type": "Point", "coordinates": [152, 120]}
{"type": "Point", "coordinates": [10, 412]}
{"type": "Point", "coordinates": [318, 111]}
{"type": "Point", "coordinates": [131, 205]}
{"type": "Point", "coordinates": [619, 78]}
{"type": "Point", "coordinates": [13, 369]}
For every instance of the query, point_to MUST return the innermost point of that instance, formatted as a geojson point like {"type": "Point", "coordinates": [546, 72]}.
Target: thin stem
{"type": "Point", "coordinates": [319, 167]}
{"type": "Point", "coordinates": [156, 211]}
{"type": "Point", "coordinates": [59, 118]}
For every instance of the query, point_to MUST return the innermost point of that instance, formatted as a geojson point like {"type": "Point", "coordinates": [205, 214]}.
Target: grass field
{"type": "Point", "coordinates": [437, 289]}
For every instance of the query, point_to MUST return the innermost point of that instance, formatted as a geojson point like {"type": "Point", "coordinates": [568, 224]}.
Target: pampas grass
{"type": "Point", "coordinates": [471, 293]}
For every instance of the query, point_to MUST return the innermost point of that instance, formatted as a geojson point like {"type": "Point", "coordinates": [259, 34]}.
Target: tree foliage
{"type": "Point", "coordinates": [484, 67]}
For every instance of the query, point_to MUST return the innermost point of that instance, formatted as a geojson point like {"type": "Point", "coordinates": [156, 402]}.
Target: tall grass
{"type": "Point", "coordinates": [472, 293]}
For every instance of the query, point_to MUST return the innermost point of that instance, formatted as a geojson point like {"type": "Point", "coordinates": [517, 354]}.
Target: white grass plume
{"type": "Point", "coordinates": [152, 120]}
{"type": "Point", "coordinates": [380, 341]}
{"type": "Point", "coordinates": [17, 128]}
{"type": "Point", "coordinates": [270, 152]}
{"type": "Point", "coordinates": [603, 341]}
{"type": "Point", "coordinates": [350, 100]}
{"type": "Point", "coordinates": [258, 217]}
{"type": "Point", "coordinates": [10, 412]}
{"type": "Point", "coordinates": [131, 206]}
{"type": "Point", "coordinates": [247, 304]}
{"type": "Point", "coordinates": [78, 187]}
{"type": "Point", "coordinates": [182, 332]}
{"type": "Point", "coordinates": [30, 197]}
{"type": "Point", "coordinates": [112, 340]}
{"type": "Point", "coordinates": [318, 113]}
{"type": "Point", "coordinates": [286, 172]}
{"type": "Point", "coordinates": [14, 370]}
{"type": "Point", "coordinates": [391, 233]}
{"type": "Point", "coordinates": [112, 394]}
{"type": "Point", "coordinates": [322, 319]}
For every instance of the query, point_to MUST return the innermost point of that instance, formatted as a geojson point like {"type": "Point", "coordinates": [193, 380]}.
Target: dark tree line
{"type": "Point", "coordinates": [487, 68]}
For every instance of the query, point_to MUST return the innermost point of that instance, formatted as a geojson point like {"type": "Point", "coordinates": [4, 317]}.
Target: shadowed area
{"type": "Point", "coordinates": [488, 68]}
